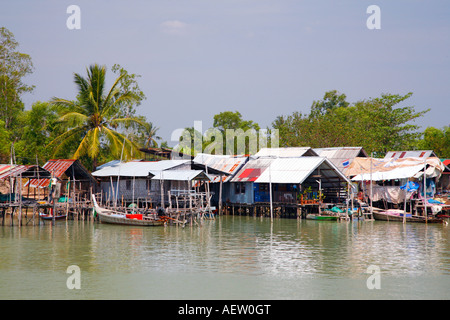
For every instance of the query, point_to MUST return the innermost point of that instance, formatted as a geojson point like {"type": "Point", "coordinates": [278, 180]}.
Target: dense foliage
{"type": "Point", "coordinates": [377, 124]}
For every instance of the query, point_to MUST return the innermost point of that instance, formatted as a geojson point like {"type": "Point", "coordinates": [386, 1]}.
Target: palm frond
{"type": "Point", "coordinates": [96, 78]}
{"type": "Point", "coordinates": [83, 146]}
{"type": "Point", "coordinates": [73, 118]}
{"type": "Point", "coordinates": [121, 142]}
{"type": "Point", "coordinates": [115, 143]}
{"type": "Point", "coordinates": [94, 143]}
{"type": "Point", "coordinates": [59, 142]}
{"type": "Point", "coordinates": [127, 97]}
{"type": "Point", "coordinates": [113, 91]}
{"type": "Point", "coordinates": [128, 121]}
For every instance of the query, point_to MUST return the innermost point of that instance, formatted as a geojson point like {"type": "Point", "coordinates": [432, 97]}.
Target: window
{"type": "Point", "coordinates": [239, 187]}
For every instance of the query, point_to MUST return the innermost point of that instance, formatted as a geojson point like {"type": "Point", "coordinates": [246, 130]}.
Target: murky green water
{"type": "Point", "coordinates": [228, 258]}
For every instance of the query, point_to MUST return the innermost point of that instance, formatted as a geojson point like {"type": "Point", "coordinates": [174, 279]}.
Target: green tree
{"type": "Point", "coordinates": [378, 125]}
{"type": "Point", "coordinates": [150, 135]}
{"type": "Point", "coordinates": [331, 101]}
{"type": "Point", "coordinates": [38, 130]}
{"type": "Point", "coordinates": [14, 66]}
{"type": "Point", "coordinates": [146, 134]}
{"type": "Point", "coordinates": [437, 140]}
{"type": "Point", "coordinates": [230, 134]}
{"type": "Point", "coordinates": [384, 126]}
{"type": "Point", "coordinates": [233, 120]}
{"type": "Point", "coordinates": [238, 135]}
{"type": "Point", "coordinates": [95, 117]}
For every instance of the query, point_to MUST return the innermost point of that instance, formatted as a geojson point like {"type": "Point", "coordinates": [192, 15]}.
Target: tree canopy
{"type": "Point", "coordinates": [93, 118]}
{"type": "Point", "coordinates": [377, 124]}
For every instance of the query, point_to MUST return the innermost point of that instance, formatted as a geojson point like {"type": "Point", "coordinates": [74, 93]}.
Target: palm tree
{"type": "Point", "coordinates": [93, 117]}
{"type": "Point", "coordinates": [150, 133]}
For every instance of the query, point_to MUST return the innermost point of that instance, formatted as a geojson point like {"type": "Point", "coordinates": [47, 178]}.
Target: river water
{"type": "Point", "coordinates": [231, 257]}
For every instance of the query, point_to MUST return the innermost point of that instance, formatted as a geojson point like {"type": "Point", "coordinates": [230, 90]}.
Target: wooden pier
{"type": "Point", "coordinates": [262, 209]}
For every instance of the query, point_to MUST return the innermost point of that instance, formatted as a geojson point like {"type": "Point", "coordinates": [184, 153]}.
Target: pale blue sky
{"type": "Point", "coordinates": [263, 58]}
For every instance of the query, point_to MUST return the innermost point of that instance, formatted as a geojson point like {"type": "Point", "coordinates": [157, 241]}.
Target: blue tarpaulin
{"type": "Point", "coordinates": [410, 186]}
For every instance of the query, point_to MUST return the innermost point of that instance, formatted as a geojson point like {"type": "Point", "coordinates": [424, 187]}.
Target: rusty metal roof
{"type": "Point", "coordinates": [227, 164]}
{"type": "Point", "coordinates": [57, 168]}
{"type": "Point", "coordinates": [27, 171]}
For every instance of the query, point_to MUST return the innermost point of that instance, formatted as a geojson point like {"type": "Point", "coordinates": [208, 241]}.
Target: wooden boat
{"type": "Point", "coordinates": [398, 217]}
{"type": "Point", "coordinates": [45, 216]}
{"type": "Point", "coordinates": [120, 218]}
{"type": "Point", "coordinates": [322, 217]}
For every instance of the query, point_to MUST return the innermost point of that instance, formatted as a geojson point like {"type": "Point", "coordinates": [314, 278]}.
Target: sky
{"type": "Point", "coordinates": [197, 58]}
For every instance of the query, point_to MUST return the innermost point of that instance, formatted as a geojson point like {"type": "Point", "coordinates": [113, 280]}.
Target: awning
{"type": "Point", "coordinates": [397, 173]}
{"type": "Point", "coordinates": [366, 169]}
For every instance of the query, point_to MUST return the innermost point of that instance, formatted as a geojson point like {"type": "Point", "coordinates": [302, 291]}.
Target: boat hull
{"type": "Point", "coordinates": [50, 217]}
{"type": "Point", "coordinates": [116, 219]}
{"type": "Point", "coordinates": [398, 218]}
{"type": "Point", "coordinates": [321, 217]}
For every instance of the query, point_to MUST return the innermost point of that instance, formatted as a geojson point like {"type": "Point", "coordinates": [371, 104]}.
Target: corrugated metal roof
{"type": "Point", "coordinates": [287, 170]}
{"type": "Point", "coordinates": [137, 168]}
{"type": "Point", "coordinates": [252, 170]}
{"type": "Point", "coordinates": [341, 157]}
{"type": "Point", "coordinates": [286, 152]}
{"type": "Point", "coordinates": [7, 170]}
{"type": "Point", "coordinates": [297, 170]}
{"type": "Point", "coordinates": [180, 175]}
{"type": "Point", "coordinates": [227, 164]}
{"type": "Point", "coordinates": [410, 154]}
{"type": "Point", "coordinates": [57, 167]}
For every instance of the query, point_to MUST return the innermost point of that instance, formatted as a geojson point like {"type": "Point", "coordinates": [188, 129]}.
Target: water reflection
{"type": "Point", "coordinates": [245, 252]}
{"type": "Point", "coordinates": [288, 248]}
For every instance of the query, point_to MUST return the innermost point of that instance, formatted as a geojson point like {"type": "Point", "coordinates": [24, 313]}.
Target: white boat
{"type": "Point", "coordinates": [116, 217]}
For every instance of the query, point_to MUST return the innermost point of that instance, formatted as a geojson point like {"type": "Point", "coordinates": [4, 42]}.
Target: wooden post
{"type": "Point", "coordinates": [220, 195]}
{"type": "Point", "coordinates": [425, 189]}
{"type": "Point", "coordinates": [190, 207]}
{"type": "Point", "coordinates": [67, 198]}
{"type": "Point", "coordinates": [404, 208]}
{"type": "Point", "coordinates": [270, 192]}
{"type": "Point", "coordinates": [371, 186]}
{"type": "Point", "coordinates": [20, 199]}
